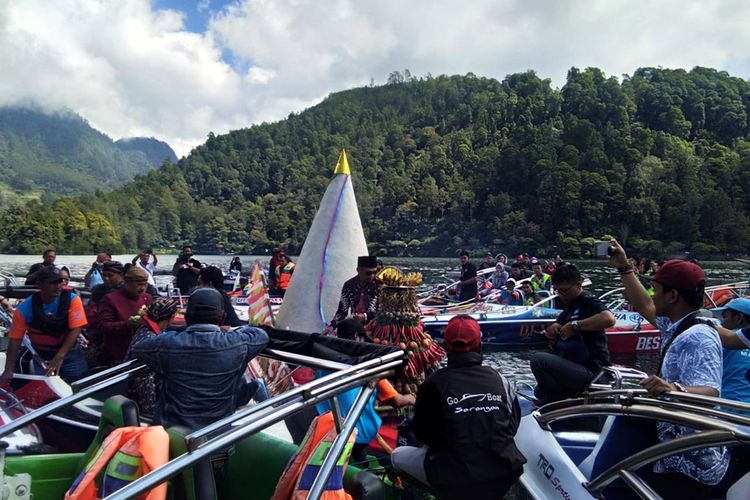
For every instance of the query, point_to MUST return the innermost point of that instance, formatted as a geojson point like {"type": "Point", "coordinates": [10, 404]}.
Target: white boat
{"type": "Point", "coordinates": [593, 446]}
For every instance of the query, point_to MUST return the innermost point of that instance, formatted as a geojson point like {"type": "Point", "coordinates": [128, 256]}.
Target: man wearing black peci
{"type": "Point", "coordinates": [359, 295]}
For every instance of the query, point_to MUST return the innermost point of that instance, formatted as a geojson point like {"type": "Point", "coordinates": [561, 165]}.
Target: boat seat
{"type": "Point", "coordinates": [577, 444]}
{"type": "Point", "coordinates": [620, 438]}
{"type": "Point", "coordinates": [117, 411]}
{"type": "Point", "coordinates": [195, 483]}
{"type": "Point", "coordinates": [738, 491]}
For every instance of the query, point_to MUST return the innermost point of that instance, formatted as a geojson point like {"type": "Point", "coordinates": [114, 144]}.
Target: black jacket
{"type": "Point", "coordinates": [468, 414]}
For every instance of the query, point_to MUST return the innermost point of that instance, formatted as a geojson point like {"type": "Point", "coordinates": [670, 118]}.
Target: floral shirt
{"type": "Point", "coordinates": [693, 359]}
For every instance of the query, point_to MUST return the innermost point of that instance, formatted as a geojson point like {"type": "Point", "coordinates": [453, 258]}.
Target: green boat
{"type": "Point", "coordinates": [259, 458]}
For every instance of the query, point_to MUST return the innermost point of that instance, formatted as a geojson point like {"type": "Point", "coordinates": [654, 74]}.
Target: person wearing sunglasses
{"type": "Point", "coordinates": [359, 295]}
{"type": "Point", "coordinates": [577, 339]}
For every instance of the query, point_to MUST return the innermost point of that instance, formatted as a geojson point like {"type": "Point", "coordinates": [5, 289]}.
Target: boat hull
{"type": "Point", "coordinates": [513, 327]}
{"type": "Point", "coordinates": [632, 335]}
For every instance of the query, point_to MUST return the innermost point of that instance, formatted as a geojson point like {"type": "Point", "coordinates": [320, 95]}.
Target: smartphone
{"type": "Point", "coordinates": [601, 248]}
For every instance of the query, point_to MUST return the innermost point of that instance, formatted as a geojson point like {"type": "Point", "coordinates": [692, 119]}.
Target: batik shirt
{"type": "Point", "coordinates": [357, 297]}
{"type": "Point", "coordinates": [693, 359]}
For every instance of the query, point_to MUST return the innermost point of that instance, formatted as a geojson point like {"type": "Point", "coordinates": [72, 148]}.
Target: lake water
{"type": "Point", "coordinates": [514, 365]}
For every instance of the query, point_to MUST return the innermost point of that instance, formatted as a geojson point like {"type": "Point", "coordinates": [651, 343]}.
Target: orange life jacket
{"type": "Point", "coordinates": [127, 454]}
{"type": "Point", "coordinates": [285, 276]}
{"type": "Point", "coordinates": [298, 476]}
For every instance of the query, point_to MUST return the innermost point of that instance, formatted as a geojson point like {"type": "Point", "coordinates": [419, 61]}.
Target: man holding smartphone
{"type": "Point", "coordinates": [186, 270]}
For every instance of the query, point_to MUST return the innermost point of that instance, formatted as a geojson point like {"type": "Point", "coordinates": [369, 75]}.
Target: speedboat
{"type": "Point", "coordinates": [259, 456]}
{"type": "Point", "coordinates": [598, 445]}
{"type": "Point", "coordinates": [502, 326]}
{"type": "Point", "coordinates": [632, 334]}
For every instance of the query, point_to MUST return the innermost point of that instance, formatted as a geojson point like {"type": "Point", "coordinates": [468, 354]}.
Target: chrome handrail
{"type": "Point", "coordinates": [130, 369]}
{"type": "Point", "coordinates": [646, 412]}
{"type": "Point", "coordinates": [629, 399]}
{"type": "Point", "coordinates": [104, 374]}
{"type": "Point", "coordinates": [61, 403]}
{"type": "Point", "coordinates": [233, 434]}
{"type": "Point", "coordinates": [391, 360]}
{"type": "Point", "coordinates": [665, 449]}
{"type": "Point", "coordinates": [331, 457]}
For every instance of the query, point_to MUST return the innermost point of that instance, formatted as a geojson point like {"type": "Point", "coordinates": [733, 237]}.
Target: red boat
{"type": "Point", "coordinates": [633, 335]}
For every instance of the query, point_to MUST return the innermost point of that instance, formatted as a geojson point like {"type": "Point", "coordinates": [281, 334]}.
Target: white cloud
{"type": "Point", "coordinates": [131, 70]}
{"type": "Point", "coordinates": [260, 75]}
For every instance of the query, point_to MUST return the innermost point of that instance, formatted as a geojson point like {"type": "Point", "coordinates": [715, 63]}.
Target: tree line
{"type": "Point", "coordinates": [660, 159]}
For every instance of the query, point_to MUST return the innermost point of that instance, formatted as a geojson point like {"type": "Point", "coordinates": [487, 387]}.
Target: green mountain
{"type": "Point", "coordinates": [661, 158]}
{"type": "Point", "coordinates": [156, 151]}
{"type": "Point", "coordinates": [61, 153]}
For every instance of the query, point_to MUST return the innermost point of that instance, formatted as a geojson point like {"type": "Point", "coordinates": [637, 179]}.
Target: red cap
{"type": "Point", "coordinates": [680, 274]}
{"type": "Point", "coordinates": [462, 333]}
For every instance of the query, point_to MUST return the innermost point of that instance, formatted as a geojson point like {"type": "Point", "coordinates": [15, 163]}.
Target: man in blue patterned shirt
{"type": "Point", "coordinates": [691, 361]}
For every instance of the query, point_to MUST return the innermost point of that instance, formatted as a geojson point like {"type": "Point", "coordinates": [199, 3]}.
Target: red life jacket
{"type": "Point", "coordinates": [48, 333]}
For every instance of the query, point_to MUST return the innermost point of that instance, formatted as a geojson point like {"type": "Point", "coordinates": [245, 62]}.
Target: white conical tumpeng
{"type": "Point", "coordinates": [328, 257]}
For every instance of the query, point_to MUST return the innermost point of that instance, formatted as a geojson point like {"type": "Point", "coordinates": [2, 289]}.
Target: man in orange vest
{"type": "Point", "coordinates": [286, 269]}
{"type": "Point", "coordinates": [52, 318]}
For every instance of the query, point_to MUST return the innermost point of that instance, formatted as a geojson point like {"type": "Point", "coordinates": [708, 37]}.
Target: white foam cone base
{"type": "Point", "coordinates": [328, 259]}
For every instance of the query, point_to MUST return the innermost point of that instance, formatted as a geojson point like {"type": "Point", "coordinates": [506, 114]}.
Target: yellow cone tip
{"type": "Point", "coordinates": [342, 166]}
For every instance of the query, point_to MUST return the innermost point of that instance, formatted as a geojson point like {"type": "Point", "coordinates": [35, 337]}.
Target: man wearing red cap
{"type": "Point", "coordinates": [466, 414]}
{"type": "Point", "coordinates": [691, 361]}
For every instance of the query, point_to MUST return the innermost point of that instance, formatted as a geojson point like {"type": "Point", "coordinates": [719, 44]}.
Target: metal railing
{"type": "Point", "coordinates": [247, 420]}
{"type": "Point", "coordinates": [59, 404]}
{"type": "Point", "coordinates": [715, 427]}
{"type": "Point", "coordinates": [256, 418]}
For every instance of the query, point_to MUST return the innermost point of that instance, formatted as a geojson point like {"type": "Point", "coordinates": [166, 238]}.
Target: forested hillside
{"type": "Point", "coordinates": [661, 158]}
{"type": "Point", "coordinates": [61, 153]}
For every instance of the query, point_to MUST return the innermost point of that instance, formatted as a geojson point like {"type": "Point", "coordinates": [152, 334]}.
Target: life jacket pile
{"type": "Point", "coordinates": [125, 455]}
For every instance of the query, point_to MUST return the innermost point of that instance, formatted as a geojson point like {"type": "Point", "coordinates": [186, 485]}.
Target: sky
{"type": "Point", "coordinates": [177, 70]}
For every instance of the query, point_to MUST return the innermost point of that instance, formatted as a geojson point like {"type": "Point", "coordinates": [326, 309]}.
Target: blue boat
{"type": "Point", "coordinates": [503, 327]}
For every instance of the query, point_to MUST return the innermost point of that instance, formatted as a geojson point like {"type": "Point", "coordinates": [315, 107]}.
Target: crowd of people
{"type": "Point", "coordinates": [468, 444]}
{"type": "Point", "coordinates": [124, 311]}
{"type": "Point", "coordinates": [528, 276]}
